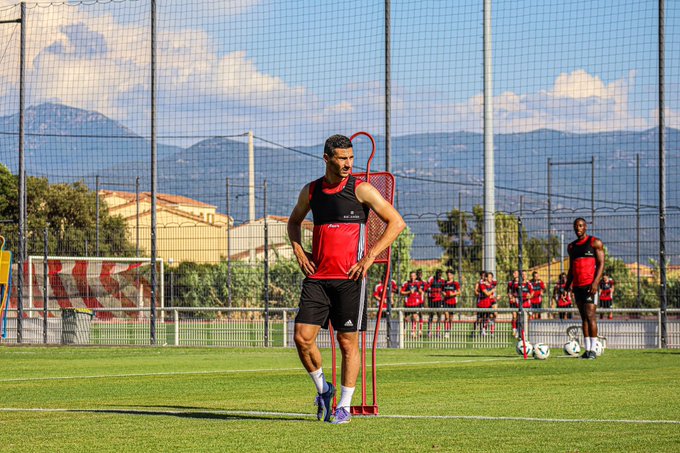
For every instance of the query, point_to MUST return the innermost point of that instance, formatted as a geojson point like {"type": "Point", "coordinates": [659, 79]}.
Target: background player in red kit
{"type": "Point", "coordinates": [486, 299]}
{"type": "Point", "coordinates": [335, 270]}
{"type": "Point", "coordinates": [606, 293]}
{"type": "Point", "coordinates": [414, 291]}
{"type": "Point", "coordinates": [435, 294]}
{"type": "Point", "coordinates": [562, 296]}
{"type": "Point", "coordinates": [538, 288]}
{"type": "Point", "coordinates": [586, 264]}
{"type": "Point", "coordinates": [451, 293]}
{"type": "Point", "coordinates": [377, 294]}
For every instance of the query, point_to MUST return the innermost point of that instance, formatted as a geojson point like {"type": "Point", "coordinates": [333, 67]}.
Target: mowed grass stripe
{"type": "Point", "coordinates": [247, 371]}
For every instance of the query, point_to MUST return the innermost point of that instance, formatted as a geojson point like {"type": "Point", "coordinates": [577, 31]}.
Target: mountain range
{"type": "Point", "coordinates": [67, 144]}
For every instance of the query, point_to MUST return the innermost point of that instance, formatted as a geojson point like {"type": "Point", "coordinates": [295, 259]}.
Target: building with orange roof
{"type": "Point", "coordinates": [190, 230]}
{"type": "Point", "coordinates": [187, 229]}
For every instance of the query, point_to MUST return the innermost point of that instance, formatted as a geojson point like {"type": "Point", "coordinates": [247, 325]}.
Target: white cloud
{"type": "Point", "coordinates": [581, 85]}
{"type": "Point", "coordinates": [577, 102]}
{"type": "Point", "coordinates": [99, 62]}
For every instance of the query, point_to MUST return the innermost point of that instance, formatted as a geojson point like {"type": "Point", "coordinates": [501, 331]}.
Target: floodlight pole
{"type": "Point", "coordinates": [154, 181]}
{"type": "Point", "coordinates": [489, 170]}
{"type": "Point", "coordinates": [22, 174]}
{"type": "Point", "coordinates": [663, 303]}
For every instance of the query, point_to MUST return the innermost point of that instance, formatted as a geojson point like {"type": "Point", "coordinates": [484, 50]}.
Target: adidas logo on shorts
{"type": "Point", "coordinates": [349, 323]}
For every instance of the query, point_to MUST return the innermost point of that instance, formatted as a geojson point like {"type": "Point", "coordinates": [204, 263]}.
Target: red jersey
{"type": "Point", "coordinates": [378, 290]}
{"type": "Point", "coordinates": [563, 297]}
{"type": "Point", "coordinates": [435, 289]}
{"type": "Point", "coordinates": [583, 262]}
{"type": "Point", "coordinates": [338, 242]}
{"type": "Point", "coordinates": [537, 287]}
{"type": "Point", "coordinates": [411, 290]}
{"type": "Point", "coordinates": [606, 290]}
{"type": "Point", "coordinates": [526, 292]}
{"type": "Point", "coordinates": [486, 300]}
{"type": "Point", "coordinates": [451, 287]}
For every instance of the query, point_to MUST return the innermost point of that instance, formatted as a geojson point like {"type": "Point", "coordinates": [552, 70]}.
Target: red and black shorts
{"type": "Point", "coordinates": [342, 302]}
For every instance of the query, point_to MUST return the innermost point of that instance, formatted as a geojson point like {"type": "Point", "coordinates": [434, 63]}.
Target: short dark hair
{"type": "Point", "coordinates": [580, 218]}
{"type": "Point", "coordinates": [450, 271]}
{"type": "Point", "coordinates": [336, 142]}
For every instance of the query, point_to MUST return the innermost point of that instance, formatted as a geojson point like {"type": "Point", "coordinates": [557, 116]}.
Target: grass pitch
{"type": "Point", "coordinates": [189, 399]}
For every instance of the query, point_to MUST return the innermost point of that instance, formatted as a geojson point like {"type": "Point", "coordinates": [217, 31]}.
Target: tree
{"type": "Point", "coordinates": [539, 251]}
{"type": "Point", "coordinates": [456, 234]}
{"type": "Point", "coordinates": [70, 212]}
{"type": "Point", "coordinates": [471, 239]}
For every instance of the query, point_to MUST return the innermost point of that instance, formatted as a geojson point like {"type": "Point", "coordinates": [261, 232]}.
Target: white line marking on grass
{"type": "Point", "coordinates": [256, 370]}
{"type": "Point", "coordinates": [168, 373]}
{"type": "Point", "coordinates": [160, 411]}
{"type": "Point", "coordinates": [529, 419]}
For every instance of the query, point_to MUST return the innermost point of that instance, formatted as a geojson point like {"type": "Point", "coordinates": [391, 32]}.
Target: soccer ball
{"type": "Point", "coordinates": [598, 349]}
{"type": "Point", "coordinates": [520, 348]}
{"type": "Point", "coordinates": [572, 348]}
{"type": "Point", "coordinates": [541, 351]}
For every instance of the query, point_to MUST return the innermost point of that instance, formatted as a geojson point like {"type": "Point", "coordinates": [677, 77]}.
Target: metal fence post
{"type": "Point", "coordinates": [175, 315]}
{"type": "Point", "coordinates": [45, 284]}
{"type": "Point", "coordinates": [401, 329]}
{"type": "Point", "coordinates": [266, 269]}
{"type": "Point", "coordinates": [285, 328]}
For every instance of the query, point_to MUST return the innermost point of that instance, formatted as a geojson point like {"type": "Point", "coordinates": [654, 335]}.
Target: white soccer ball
{"type": "Point", "coordinates": [541, 351]}
{"type": "Point", "coordinates": [598, 349]}
{"type": "Point", "coordinates": [572, 348]}
{"type": "Point", "coordinates": [520, 348]}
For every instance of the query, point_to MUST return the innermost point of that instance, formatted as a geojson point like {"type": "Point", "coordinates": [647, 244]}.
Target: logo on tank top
{"type": "Point", "coordinates": [333, 225]}
{"type": "Point", "coordinates": [351, 215]}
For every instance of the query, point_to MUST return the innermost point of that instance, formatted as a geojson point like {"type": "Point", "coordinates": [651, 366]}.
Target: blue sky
{"type": "Point", "coordinates": [295, 71]}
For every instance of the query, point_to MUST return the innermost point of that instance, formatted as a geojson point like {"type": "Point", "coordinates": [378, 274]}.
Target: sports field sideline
{"type": "Point", "coordinates": [190, 399]}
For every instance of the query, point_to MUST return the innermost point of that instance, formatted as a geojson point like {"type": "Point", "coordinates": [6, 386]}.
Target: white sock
{"type": "Point", "coordinates": [593, 340]}
{"type": "Point", "coordinates": [587, 342]}
{"type": "Point", "coordinates": [346, 397]}
{"type": "Point", "coordinates": [319, 380]}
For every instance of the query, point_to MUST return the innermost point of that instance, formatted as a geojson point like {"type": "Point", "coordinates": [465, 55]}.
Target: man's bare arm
{"type": "Point", "coordinates": [599, 266]}
{"type": "Point", "coordinates": [369, 195]}
{"type": "Point", "coordinates": [295, 220]}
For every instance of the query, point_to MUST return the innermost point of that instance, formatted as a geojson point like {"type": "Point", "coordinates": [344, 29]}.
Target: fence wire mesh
{"type": "Point", "coordinates": [247, 93]}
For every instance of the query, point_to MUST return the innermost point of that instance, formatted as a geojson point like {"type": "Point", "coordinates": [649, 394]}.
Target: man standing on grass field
{"type": "Point", "coordinates": [586, 264]}
{"type": "Point", "coordinates": [335, 270]}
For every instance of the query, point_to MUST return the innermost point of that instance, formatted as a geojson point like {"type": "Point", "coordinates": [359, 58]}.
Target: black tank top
{"type": "Point", "coordinates": [341, 207]}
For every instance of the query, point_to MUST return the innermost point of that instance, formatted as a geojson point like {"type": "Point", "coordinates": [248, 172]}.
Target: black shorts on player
{"type": "Point", "coordinates": [605, 303]}
{"type": "Point", "coordinates": [582, 295]}
{"type": "Point", "coordinates": [341, 302]}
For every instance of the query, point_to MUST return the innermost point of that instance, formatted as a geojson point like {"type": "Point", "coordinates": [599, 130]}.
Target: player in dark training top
{"type": "Point", "coordinates": [586, 264]}
{"type": "Point", "coordinates": [334, 288]}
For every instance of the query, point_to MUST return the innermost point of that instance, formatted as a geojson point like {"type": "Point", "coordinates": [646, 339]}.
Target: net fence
{"type": "Point", "coordinates": [247, 92]}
